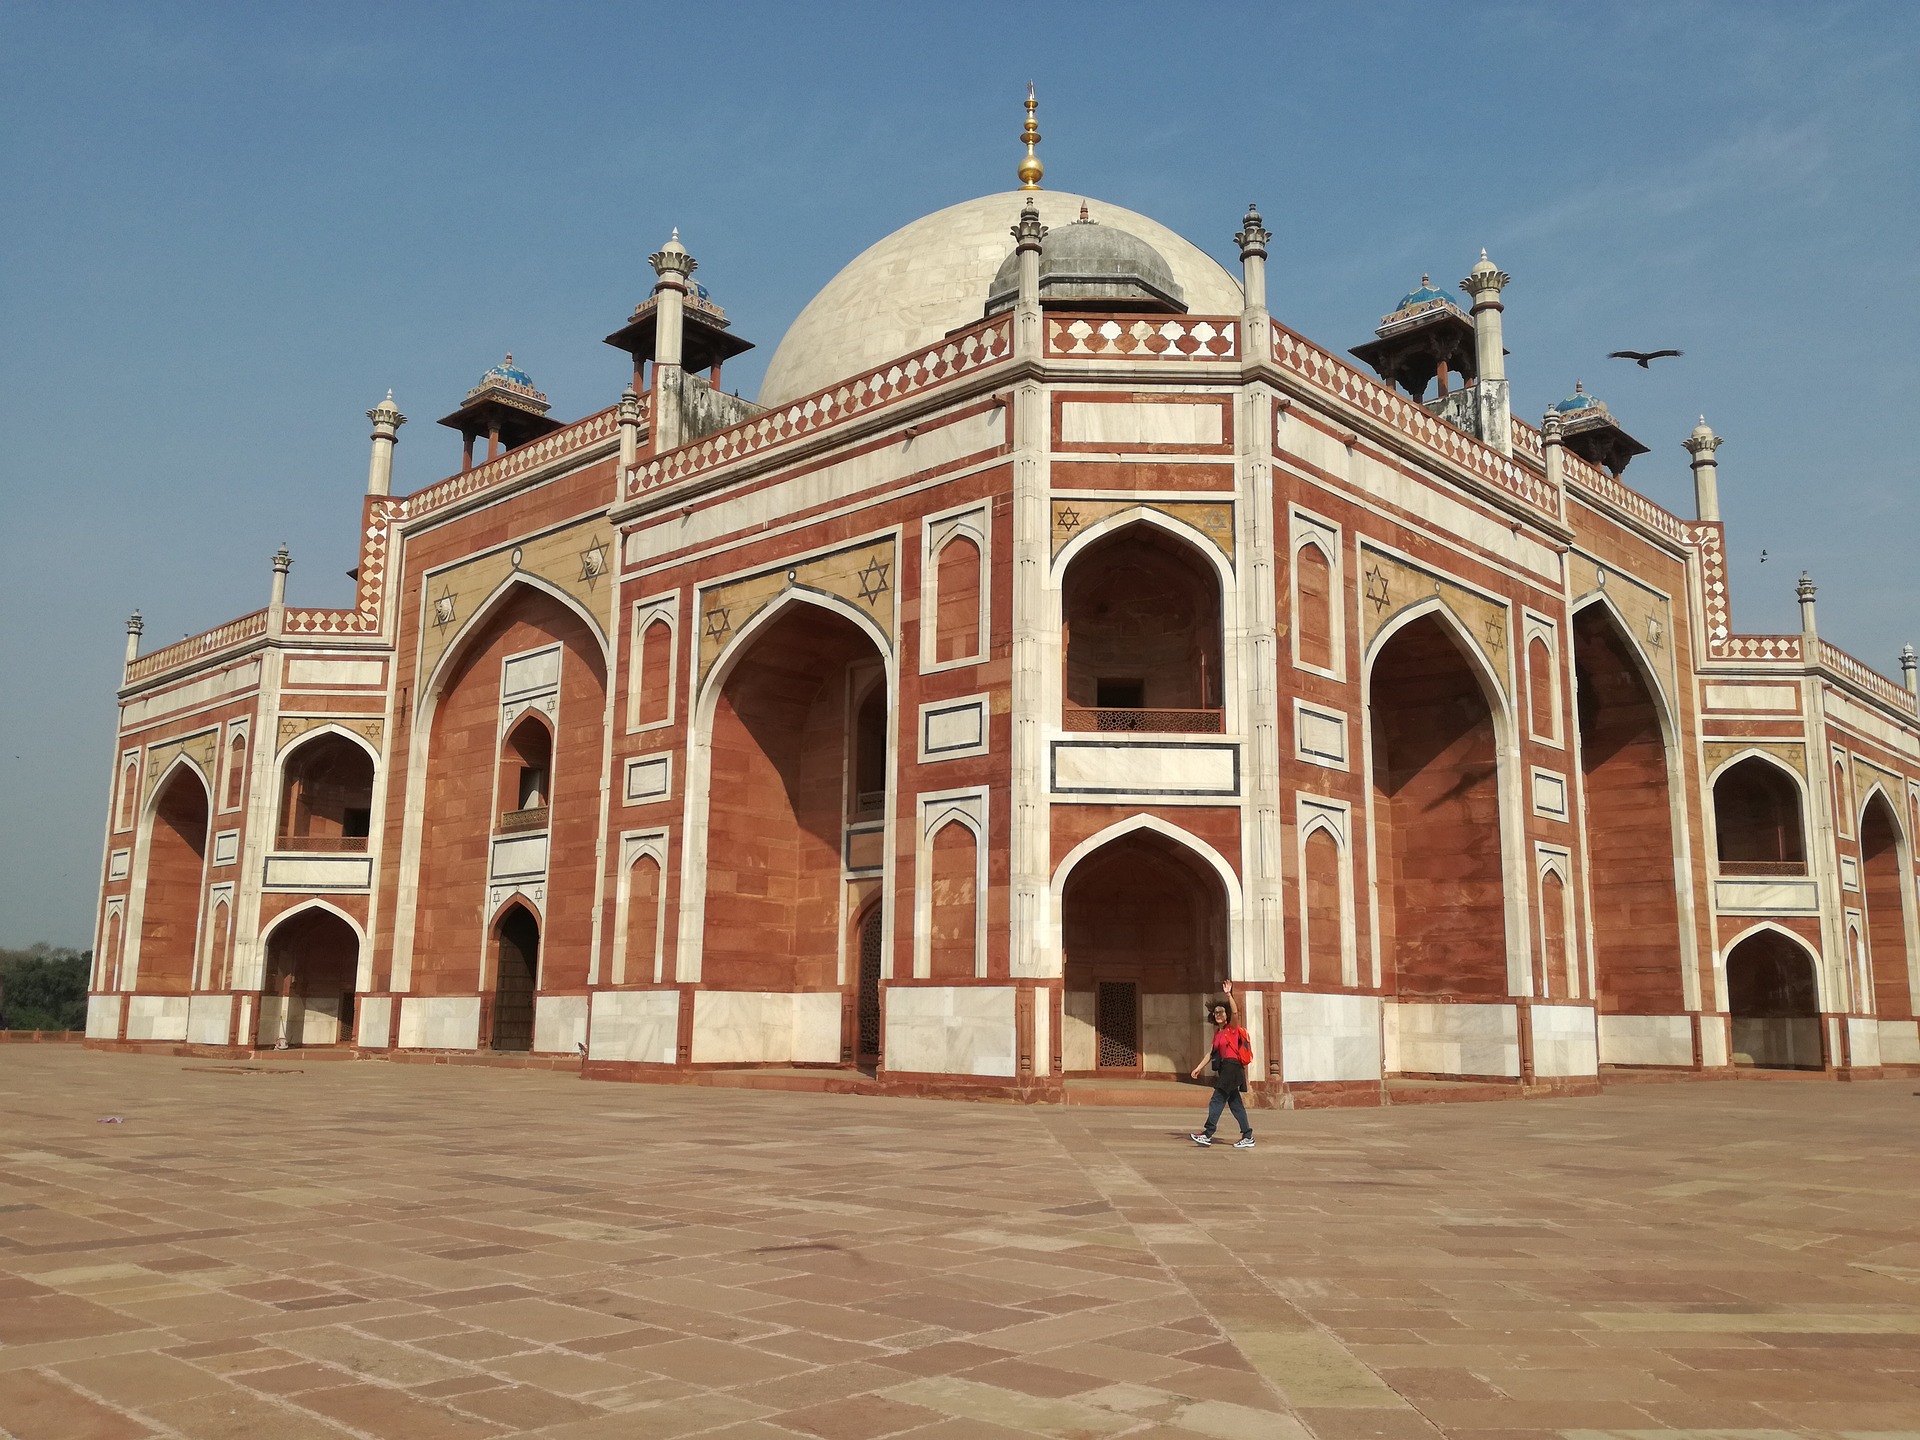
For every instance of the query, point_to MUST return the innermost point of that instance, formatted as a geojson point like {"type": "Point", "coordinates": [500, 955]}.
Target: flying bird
{"type": "Point", "coordinates": [1641, 357]}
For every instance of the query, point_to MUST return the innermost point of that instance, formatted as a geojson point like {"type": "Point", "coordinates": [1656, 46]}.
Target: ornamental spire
{"type": "Point", "coordinates": [1030, 168]}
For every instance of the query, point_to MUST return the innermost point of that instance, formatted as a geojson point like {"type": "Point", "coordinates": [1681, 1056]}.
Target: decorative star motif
{"type": "Point", "coordinates": [1496, 633]}
{"type": "Point", "coordinates": [1654, 632]}
{"type": "Point", "coordinates": [873, 580]}
{"type": "Point", "coordinates": [593, 561]}
{"type": "Point", "coordinates": [719, 623]}
{"type": "Point", "coordinates": [1377, 594]}
{"type": "Point", "coordinates": [443, 609]}
{"type": "Point", "coordinates": [1069, 519]}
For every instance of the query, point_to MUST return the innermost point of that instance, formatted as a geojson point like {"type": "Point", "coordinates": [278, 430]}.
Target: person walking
{"type": "Point", "coordinates": [1232, 1052]}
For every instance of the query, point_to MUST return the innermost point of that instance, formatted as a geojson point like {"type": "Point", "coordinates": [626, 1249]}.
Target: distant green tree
{"type": "Point", "coordinates": [44, 988]}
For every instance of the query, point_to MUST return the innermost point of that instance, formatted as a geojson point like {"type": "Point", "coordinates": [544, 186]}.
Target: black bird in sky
{"type": "Point", "coordinates": [1641, 357]}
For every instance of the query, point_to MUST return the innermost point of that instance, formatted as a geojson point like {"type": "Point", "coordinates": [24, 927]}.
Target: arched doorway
{"type": "Point", "coordinates": [798, 763]}
{"type": "Point", "coordinates": [529, 648]}
{"type": "Point", "coordinates": [516, 976]}
{"type": "Point", "coordinates": [1886, 882]}
{"type": "Point", "coordinates": [1630, 844]}
{"type": "Point", "coordinates": [1773, 999]}
{"type": "Point", "coordinates": [326, 796]}
{"type": "Point", "coordinates": [1756, 819]}
{"type": "Point", "coordinates": [872, 939]}
{"type": "Point", "coordinates": [175, 870]}
{"type": "Point", "coordinates": [1437, 835]}
{"type": "Point", "coordinates": [1145, 929]}
{"type": "Point", "coordinates": [313, 961]}
{"type": "Point", "coordinates": [1140, 635]}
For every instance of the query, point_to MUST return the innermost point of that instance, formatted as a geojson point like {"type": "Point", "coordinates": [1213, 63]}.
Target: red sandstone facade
{"type": "Point", "coordinates": [962, 721]}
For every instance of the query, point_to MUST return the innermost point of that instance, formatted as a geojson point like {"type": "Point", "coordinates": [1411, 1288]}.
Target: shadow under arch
{"type": "Point", "coordinates": [1887, 889]}
{"type": "Point", "coordinates": [1451, 886]}
{"type": "Point", "coordinates": [1760, 807]}
{"type": "Point", "coordinates": [1640, 893]}
{"type": "Point", "coordinates": [161, 942]}
{"type": "Point", "coordinates": [1773, 997]}
{"type": "Point", "coordinates": [314, 953]}
{"type": "Point", "coordinates": [1147, 919]}
{"type": "Point", "coordinates": [773, 775]}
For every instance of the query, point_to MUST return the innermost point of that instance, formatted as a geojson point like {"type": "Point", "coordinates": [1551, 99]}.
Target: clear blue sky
{"type": "Point", "coordinates": [231, 227]}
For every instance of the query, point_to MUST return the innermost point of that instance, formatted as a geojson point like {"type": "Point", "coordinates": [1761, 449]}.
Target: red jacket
{"type": "Point", "coordinates": [1230, 1042]}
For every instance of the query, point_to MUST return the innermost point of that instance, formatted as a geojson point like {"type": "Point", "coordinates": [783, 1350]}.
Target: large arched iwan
{"type": "Point", "coordinates": [1140, 637]}
{"type": "Point", "coordinates": [1630, 848]}
{"type": "Point", "coordinates": [1887, 884]}
{"type": "Point", "coordinates": [176, 864]}
{"type": "Point", "coordinates": [787, 778]}
{"type": "Point", "coordinates": [1436, 787]}
{"type": "Point", "coordinates": [461, 815]}
{"type": "Point", "coordinates": [1144, 922]}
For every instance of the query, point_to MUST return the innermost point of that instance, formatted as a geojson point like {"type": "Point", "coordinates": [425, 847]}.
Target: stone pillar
{"type": "Point", "coordinates": [135, 625]}
{"type": "Point", "coordinates": [629, 414]}
{"type": "Point", "coordinates": [1484, 283]}
{"type": "Point", "coordinates": [1256, 337]}
{"type": "Point", "coordinates": [1027, 235]}
{"type": "Point", "coordinates": [674, 266]}
{"type": "Point", "coordinates": [277, 604]}
{"type": "Point", "coordinates": [1809, 632]}
{"type": "Point", "coordinates": [387, 420]}
{"type": "Point", "coordinates": [1706, 470]}
{"type": "Point", "coordinates": [1908, 669]}
{"type": "Point", "coordinates": [1553, 446]}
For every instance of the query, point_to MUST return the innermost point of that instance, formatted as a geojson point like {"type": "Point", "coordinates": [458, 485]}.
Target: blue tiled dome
{"type": "Point", "coordinates": [508, 373]}
{"type": "Point", "coordinates": [1426, 294]}
{"type": "Point", "coordinates": [1578, 401]}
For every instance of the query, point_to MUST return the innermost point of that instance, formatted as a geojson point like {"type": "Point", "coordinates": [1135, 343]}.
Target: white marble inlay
{"type": "Point", "coordinates": [1646, 1040]}
{"type": "Point", "coordinates": [1863, 1042]}
{"type": "Point", "coordinates": [103, 1017]}
{"type": "Point", "coordinates": [208, 1019]}
{"type": "Point", "coordinates": [1087, 768]}
{"type": "Point", "coordinates": [305, 670]}
{"type": "Point", "coordinates": [953, 728]}
{"type": "Point", "coordinates": [1198, 422]}
{"type": "Point", "coordinates": [522, 856]}
{"type": "Point", "coordinates": [319, 872]}
{"type": "Point", "coordinates": [1899, 1041]}
{"type": "Point", "coordinates": [1775, 896]}
{"type": "Point", "coordinates": [440, 1022]}
{"type": "Point", "coordinates": [1329, 1037]}
{"type": "Point", "coordinates": [530, 674]}
{"type": "Point", "coordinates": [559, 1024]}
{"type": "Point", "coordinates": [1564, 1041]}
{"type": "Point", "coordinates": [745, 1027]}
{"type": "Point", "coordinates": [226, 847]}
{"type": "Point", "coordinates": [1320, 735]}
{"type": "Point", "coordinates": [951, 1029]}
{"type": "Point", "coordinates": [118, 863]}
{"type": "Point", "coordinates": [157, 1017]}
{"type": "Point", "coordinates": [1426, 1039]}
{"type": "Point", "coordinates": [649, 777]}
{"type": "Point", "coordinates": [634, 1025]}
{"type": "Point", "coordinates": [1550, 794]}
{"type": "Point", "coordinates": [376, 1022]}
{"type": "Point", "coordinates": [1753, 697]}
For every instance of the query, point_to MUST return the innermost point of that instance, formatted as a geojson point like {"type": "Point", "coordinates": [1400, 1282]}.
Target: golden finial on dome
{"type": "Point", "coordinates": [1030, 168]}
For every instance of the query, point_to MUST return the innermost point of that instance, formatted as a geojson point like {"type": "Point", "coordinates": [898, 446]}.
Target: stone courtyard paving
{"type": "Point", "coordinates": [326, 1249]}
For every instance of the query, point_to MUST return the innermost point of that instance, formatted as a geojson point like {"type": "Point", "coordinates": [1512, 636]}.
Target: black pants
{"type": "Point", "coordinates": [1228, 1100]}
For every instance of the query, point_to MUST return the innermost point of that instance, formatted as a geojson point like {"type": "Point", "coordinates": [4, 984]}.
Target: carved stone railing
{"type": "Point", "coordinates": [323, 844]}
{"type": "Point", "coordinates": [1784, 648]}
{"type": "Point", "coordinates": [197, 647]}
{"type": "Point", "coordinates": [1744, 868]}
{"type": "Point", "coordinates": [1585, 475]}
{"type": "Point", "coordinates": [1143, 337]}
{"type": "Point", "coordinates": [1891, 692]}
{"type": "Point", "coordinates": [331, 622]}
{"type": "Point", "coordinates": [534, 817]}
{"type": "Point", "coordinates": [982, 345]}
{"type": "Point", "coordinates": [1333, 377]}
{"type": "Point", "coordinates": [557, 446]}
{"type": "Point", "coordinates": [1107, 721]}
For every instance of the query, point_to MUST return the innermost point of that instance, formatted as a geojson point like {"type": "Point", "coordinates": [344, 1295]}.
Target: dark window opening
{"type": "Point", "coordinates": [1120, 694]}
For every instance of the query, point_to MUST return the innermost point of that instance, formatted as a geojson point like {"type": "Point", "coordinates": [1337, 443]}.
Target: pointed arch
{"type": "Point", "coordinates": [1887, 891]}
{"type": "Point", "coordinates": [342, 817]}
{"type": "Point", "coordinates": [1774, 994]}
{"type": "Point", "coordinates": [315, 954]}
{"type": "Point", "coordinates": [1315, 605]}
{"type": "Point", "coordinates": [1186, 838]}
{"type": "Point", "coordinates": [1142, 515]}
{"type": "Point", "coordinates": [1422, 772]}
{"type": "Point", "coordinates": [483, 615]}
{"type": "Point", "coordinates": [172, 850]}
{"type": "Point", "coordinates": [742, 639]}
{"type": "Point", "coordinates": [1756, 830]}
{"type": "Point", "coordinates": [1649, 672]}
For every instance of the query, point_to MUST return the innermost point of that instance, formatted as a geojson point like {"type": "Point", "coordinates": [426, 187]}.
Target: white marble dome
{"type": "Point", "coordinates": [932, 276]}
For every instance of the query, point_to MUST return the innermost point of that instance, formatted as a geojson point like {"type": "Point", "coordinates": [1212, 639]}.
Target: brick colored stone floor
{"type": "Point", "coordinates": [442, 1253]}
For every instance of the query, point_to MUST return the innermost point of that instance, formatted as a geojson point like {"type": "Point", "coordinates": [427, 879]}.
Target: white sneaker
{"type": "Point", "coordinates": [1245, 1142]}
{"type": "Point", "coordinates": [1201, 1139]}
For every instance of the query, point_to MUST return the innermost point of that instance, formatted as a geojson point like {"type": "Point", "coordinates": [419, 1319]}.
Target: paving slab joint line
{"type": "Point", "coordinates": [1334, 1378]}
